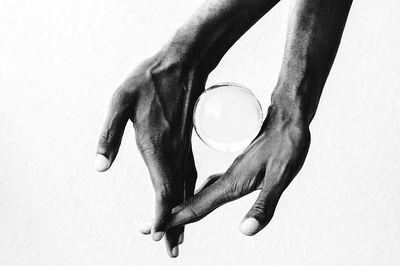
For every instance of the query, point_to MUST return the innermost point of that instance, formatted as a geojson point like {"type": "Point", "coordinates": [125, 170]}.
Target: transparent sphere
{"type": "Point", "coordinates": [227, 117]}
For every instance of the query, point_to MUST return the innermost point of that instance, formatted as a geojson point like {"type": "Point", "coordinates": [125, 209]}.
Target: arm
{"type": "Point", "coordinates": [276, 155]}
{"type": "Point", "coordinates": [314, 33]}
{"type": "Point", "coordinates": [204, 39]}
{"type": "Point", "coordinates": [159, 96]}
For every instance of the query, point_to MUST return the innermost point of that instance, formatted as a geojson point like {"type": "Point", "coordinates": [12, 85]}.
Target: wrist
{"type": "Point", "coordinates": [288, 108]}
{"type": "Point", "coordinates": [296, 101]}
{"type": "Point", "coordinates": [283, 114]}
{"type": "Point", "coordinates": [187, 50]}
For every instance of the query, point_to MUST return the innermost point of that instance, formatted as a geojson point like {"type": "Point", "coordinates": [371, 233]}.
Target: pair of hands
{"type": "Point", "coordinates": [159, 97]}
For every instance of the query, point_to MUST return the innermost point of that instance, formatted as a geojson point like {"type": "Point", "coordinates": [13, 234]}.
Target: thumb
{"type": "Point", "coordinates": [260, 214]}
{"type": "Point", "coordinates": [110, 139]}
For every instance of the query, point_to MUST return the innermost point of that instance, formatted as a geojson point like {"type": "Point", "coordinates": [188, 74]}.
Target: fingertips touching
{"type": "Point", "coordinates": [158, 235]}
{"type": "Point", "coordinates": [162, 212]}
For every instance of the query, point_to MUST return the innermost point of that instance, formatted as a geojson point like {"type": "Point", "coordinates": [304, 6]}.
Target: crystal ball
{"type": "Point", "coordinates": [227, 117]}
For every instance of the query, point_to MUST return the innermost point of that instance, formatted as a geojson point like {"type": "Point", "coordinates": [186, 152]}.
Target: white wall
{"type": "Point", "coordinates": [61, 60]}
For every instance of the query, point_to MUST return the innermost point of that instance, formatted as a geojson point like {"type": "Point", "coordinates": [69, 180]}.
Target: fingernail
{"type": "Point", "coordinates": [175, 252]}
{"type": "Point", "coordinates": [157, 236]}
{"type": "Point", "coordinates": [249, 226]}
{"type": "Point", "coordinates": [145, 228]}
{"type": "Point", "coordinates": [181, 237]}
{"type": "Point", "coordinates": [101, 163]}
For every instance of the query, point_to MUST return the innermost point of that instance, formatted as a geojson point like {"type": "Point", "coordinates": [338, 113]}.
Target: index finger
{"type": "Point", "coordinates": [203, 203]}
{"type": "Point", "coordinates": [165, 190]}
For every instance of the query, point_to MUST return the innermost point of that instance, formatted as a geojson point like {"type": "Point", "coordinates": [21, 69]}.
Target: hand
{"type": "Point", "coordinates": [158, 97]}
{"type": "Point", "coordinates": [270, 163]}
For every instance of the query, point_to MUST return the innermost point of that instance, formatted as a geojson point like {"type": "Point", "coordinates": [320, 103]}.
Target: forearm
{"type": "Point", "coordinates": [314, 32]}
{"type": "Point", "coordinates": [203, 40]}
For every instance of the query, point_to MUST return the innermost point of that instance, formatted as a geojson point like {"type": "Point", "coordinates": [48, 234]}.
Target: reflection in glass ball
{"type": "Point", "coordinates": [227, 117]}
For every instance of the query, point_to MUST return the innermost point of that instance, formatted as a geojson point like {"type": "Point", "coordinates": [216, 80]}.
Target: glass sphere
{"type": "Point", "coordinates": [227, 117]}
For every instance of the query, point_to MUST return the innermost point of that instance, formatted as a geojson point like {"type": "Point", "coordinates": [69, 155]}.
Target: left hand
{"type": "Point", "coordinates": [158, 97]}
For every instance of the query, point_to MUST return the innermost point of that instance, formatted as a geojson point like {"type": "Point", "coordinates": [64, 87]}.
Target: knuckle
{"type": "Point", "coordinates": [233, 186]}
{"type": "Point", "coordinates": [148, 148]}
{"type": "Point", "coordinates": [148, 143]}
{"type": "Point", "coordinates": [168, 141]}
{"type": "Point", "coordinates": [259, 206]}
{"type": "Point", "coordinates": [190, 212]}
{"type": "Point", "coordinates": [106, 139]}
{"type": "Point", "coordinates": [235, 189]}
{"type": "Point", "coordinates": [229, 191]}
{"type": "Point", "coordinates": [260, 210]}
{"type": "Point", "coordinates": [151, 141]}
{"type": "Point", "coordinates": [165, 192]}
{"type": "Point", "coordinates": [160, 137]}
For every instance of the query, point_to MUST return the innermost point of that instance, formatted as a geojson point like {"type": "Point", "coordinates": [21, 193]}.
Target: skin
{"type": "Point", "coordinates": [277, 154]}
{"type": "Point", "coordinates": [159, 96]}
{"type": "Point", "coordinates": [159, 102]}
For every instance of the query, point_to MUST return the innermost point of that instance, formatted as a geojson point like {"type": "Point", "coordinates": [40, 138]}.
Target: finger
{"type": "Point", "coordinates": [171, 241]}
{"type": "Point", "coordinates": [261, 212]}
{"type": "Point", "coordinates": [110, 138]}
{"type": "Point", "coordinates": [189, 182]}
{"type": "Point", "coordinates": [166, 198]}
{"type": "Point", "coordinates": [187, 170]}
{"type": "Point", "coordinates": [164, 187]}
{"type": "Point", "coordinates": [163, 207]}
{"type": "Point", "coordinates": [181, 237]}
{"type": "Point", "coordinates": [203, 203]}
{"type": "Point", "coordinates": [209, 181]}
{"type": "Point", "coordinates": [189, 174]}
{"type": "Point", "coordinates": [145, 228]}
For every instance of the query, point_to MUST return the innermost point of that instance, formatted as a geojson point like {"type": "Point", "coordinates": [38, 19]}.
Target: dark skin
{"type": "Point", "coordinates": [159, 97]}
{"type": "Point", "coordinates": [160, 117]}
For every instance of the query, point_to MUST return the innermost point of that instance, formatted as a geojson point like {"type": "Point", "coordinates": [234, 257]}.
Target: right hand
{"type": "Point", "coordinates": [268, 164]}
{"type": "Point", "coordinates": [158, 97]}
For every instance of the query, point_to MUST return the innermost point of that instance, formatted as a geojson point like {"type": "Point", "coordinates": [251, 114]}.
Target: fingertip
{"type": "Point", "coordinates": [157, 236]}
{"type": "Point", "coordinates": [181, 238]}
{"type": "Point", "coordinates": [145, 228]}
{"type": "Point", "coordinates": [175, 252]}
{"type": "Point", "coordinates": [249, 226]}
{"type": "Point", "coordinates": [101, 163]}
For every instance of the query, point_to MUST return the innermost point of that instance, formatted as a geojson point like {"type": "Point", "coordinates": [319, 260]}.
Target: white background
{"type": "Point", "coordinates": [60, 61]}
